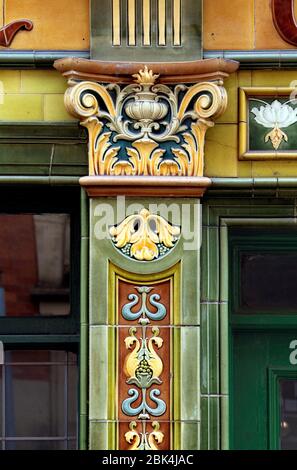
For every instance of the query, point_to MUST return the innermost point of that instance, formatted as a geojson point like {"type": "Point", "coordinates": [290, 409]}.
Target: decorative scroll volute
{"type": "Point", "coordinates": [146, 128]}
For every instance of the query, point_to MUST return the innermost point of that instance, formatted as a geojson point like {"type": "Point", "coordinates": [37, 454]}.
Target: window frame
{"type": "Point", "coordinates": [251, 240]}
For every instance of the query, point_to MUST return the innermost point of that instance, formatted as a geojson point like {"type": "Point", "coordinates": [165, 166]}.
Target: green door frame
{"type": "Point", "coordinates": [218, 216]}
{"type": "Point", "coordinates": [226, 223]}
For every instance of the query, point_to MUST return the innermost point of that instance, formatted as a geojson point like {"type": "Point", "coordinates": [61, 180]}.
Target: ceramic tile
{"type": "Point", "coordinates": [10, 81]}
{"type": "Point", "coordinates": [102, 435]}
{"type": "Point", "coordinates": [52, 30]}
{"type": "Point", "coordinates": [22, 108]}
{"type": "Point", "coordinates": [54, 108]}
{"type": "Point", "coordinates": [42, 81]}
{"type": "Point", "coordinates": [233, 16]}
{"type": "Point", "coordinates": [266, 36]}
{"type": "Point", "coordinates": [101, 373]}
{"type": "Point", "coordinates": [190, 373]}
{"type": "Point", "coordinates": [231, 114]}
{"type": "Point", "coordinates": [190, 435]}
{"type": "Point", "coordinates": [221, 154]}
{"type": "Point", "coordinates": [210, 264]}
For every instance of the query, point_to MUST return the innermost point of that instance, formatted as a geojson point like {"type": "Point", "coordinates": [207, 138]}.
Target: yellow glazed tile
{"type": "Point", "coordinates": [58, 24]}
{"type": "Point", "coordinates": [244, 169]}
{"type": "Point", "coordinates": [274, 168]}
{"type": "Point", "coordinates": [1, 13]}
{"type": "Point", "coordinates": [273, 78]}
{"type": "Point", "coordinates": [228, 24]}
{"type": "Point", "coordinates": [221, 151]}
{"type": "Point", "coordinates": [244, 78]}
{"type": "Point", "coordinates": [44, 81]}
{"type": "Point", "coordinates": [54, 109]}
{"type": "Point", "coordinates": [10, 81]}
{"type": "Point", "coordinates": [22, 108]}
{"type": "Point", "coordinates": [266, 36]}
{"type": "Point", "coordinates": [231, 85]}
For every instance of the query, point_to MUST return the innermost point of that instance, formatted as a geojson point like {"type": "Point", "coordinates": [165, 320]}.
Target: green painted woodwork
{"type": "Point", "coordinates": [281, 241]}
{"type": "Point", "coordinates": [260, 345]}
{"type": "Point", "coordinates": [219, 214]}
{"type": "Point", "coordinates": [255, 421]}
{"type": "Point", "coordinates": [42, 132]}
{"type": "Point", "coordinates": [43, 149]}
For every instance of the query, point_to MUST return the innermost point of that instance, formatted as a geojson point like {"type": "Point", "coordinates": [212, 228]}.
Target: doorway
{"type": "Point", "coordinates": [263, 331]}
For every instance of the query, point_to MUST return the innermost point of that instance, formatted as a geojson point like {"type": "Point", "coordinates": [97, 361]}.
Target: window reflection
{"type": "Point", "coordinates": [34, 264]}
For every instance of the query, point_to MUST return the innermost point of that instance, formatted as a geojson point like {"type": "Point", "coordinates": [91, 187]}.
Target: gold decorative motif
{"type": "Point", "coordinates": [143, 357]}
{"type": "Point", "coordinates": [144, 440]}
{"type": "Point", "coordinates": [146, 128]}
{"type": "Point", "coordinates": [145, 236]}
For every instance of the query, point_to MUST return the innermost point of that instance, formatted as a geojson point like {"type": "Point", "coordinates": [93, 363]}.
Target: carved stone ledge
{"type": "Point", "coordinates": [170, 73]}
{"type": "Point", "coordinates": [145, 186]}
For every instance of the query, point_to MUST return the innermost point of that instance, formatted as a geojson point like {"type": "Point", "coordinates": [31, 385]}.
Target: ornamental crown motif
{"type": "Point", "coordinates": [146, 128]}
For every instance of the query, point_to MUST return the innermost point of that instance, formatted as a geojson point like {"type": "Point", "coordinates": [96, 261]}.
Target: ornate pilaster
{"type": "Point", "coordinates": [146, 125]}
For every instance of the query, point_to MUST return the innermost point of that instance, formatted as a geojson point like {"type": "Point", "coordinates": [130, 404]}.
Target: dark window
{"type": "Point", "coordinates": [39, 318]}
{"type": "Point", "coordinates": [268, 281]}
{"type": "Point", "coordinates": [263, 271]}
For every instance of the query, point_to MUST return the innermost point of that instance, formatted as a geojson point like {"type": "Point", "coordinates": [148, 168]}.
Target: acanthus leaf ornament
{"type": "Point", "coordinates": [146, 128]}
{"type": "Point", "coordinates": [145, 236]}
{"type": "Point", "coordinates": [144, 440]}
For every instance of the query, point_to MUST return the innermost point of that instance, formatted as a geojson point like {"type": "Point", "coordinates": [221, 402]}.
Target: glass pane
{"type": "Point", "coordinates": [288, 392]}
{"type": "Point", "coordinates": [268, 282]}
{"type": "Point", "coordinates": [38, 399]}
{"type": "Point", "coordinates": [36, 445]}
{"type": "Point", "coordinates": [34, 264]}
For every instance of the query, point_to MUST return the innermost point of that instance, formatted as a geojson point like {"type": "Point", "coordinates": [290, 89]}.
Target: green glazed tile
{"type": "Point", "coordinates": [190, 436]}
{"type": "Point", "coordinates": [204, 431]}
{"type": "Point", "coordinates": [204, 351]}
{"type": "Point", "coordinates": [225, 423]}
{"type": "Point", "coordinates": [100, 355]}
{"type": "Point", "coordinates": [224, 348]}
{"type": "Point", "coordinates": [214, 349]}
{"type": "Point", "coordinates": [214, 423]}
{"type": "Point", "coordinates": [190, 373]}
{"type": "Point", "coordinates": [102, 435]}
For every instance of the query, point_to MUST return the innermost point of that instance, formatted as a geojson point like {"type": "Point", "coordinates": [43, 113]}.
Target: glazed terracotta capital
{"type": "Point", "coordinates": [146, 121]}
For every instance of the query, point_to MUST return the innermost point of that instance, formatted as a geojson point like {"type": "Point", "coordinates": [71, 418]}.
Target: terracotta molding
{"type": "Point", "coordinates": [145, 186]}
{"type": "Point", "coordinates": [8, 32]}
{"type": "Point", "coordinates": [284, 20]}
{"type": "Point", "coordinates": [122, 72]}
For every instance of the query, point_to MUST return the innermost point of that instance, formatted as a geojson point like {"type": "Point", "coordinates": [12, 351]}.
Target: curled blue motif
{"type": "Point", "coordinates": [126, 310]}
{"type": "Point", "coordinates": [144, 312]}
{"type": "Point", "coordinates": [143, 407]}
{"type": "Point", "coordinates": [161, 309]}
